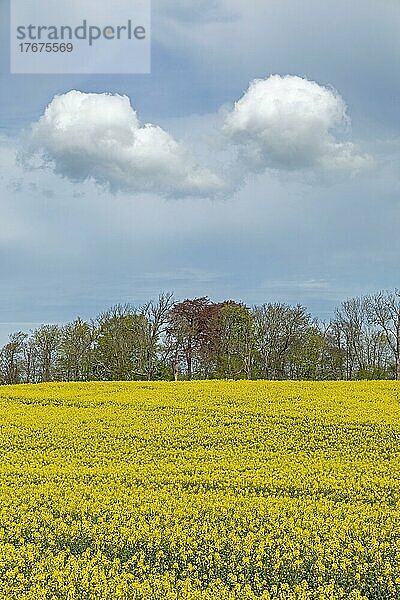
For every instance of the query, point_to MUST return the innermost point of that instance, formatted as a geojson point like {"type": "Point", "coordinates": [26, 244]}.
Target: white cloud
{"type": "Point", "coordinates": [287, 122]}
{"type": "Point", "coordinates": [98, 136]}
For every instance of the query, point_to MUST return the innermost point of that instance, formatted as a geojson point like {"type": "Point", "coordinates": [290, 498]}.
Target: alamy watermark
{"type": "Point", "coordinates": [92, 36]}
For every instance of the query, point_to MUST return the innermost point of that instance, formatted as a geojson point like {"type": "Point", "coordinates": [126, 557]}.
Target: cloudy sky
{"type": "Point", "coordinates": [258, 161]}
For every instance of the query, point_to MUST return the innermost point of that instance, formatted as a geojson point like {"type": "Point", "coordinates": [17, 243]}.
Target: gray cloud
{"type": "Point", "coordinates": [83, 249]}
{"type": "Point", "coordinates": [78, 253]}
{"type": "Point", "coordinates": [196, 11]}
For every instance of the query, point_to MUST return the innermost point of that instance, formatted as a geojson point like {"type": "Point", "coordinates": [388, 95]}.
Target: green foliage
{"type": "Point", "coordinates": [200, 339]}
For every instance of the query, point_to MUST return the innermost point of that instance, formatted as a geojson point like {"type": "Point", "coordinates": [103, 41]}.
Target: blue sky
{"type": "Point", "coordinates": [302, 233]}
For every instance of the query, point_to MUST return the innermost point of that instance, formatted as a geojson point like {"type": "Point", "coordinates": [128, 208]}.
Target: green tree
{"type": "Point", "coordinates": [233, 341]}
{"type": "Point", "coordinates": [120, 345]}
{"type": "Point", "coordinates": [76, 351]}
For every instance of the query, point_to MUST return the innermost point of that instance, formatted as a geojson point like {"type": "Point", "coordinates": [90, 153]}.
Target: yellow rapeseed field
{"type": "Point", "coordinates": [211, 490]}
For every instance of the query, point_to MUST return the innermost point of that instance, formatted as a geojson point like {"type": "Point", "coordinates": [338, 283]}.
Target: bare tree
{"type": "Point", "coordinates": [46, 340]}
{"type": "Point", "coordinates": [351, 321]}
{"type": "Point", "coordinates": [384, 312]}
{"type": "Point", "coordinates": [11, 359]}
{"type": "Point", "coordinates": [279, 329]}
{"type": "Point", "coordinates": [156, 314]}
{"type": "Point", "coordinates": [30, 360]}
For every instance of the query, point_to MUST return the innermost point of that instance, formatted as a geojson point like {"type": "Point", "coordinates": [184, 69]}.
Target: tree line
{"type": "Point", "coordinates": [200, 339]}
